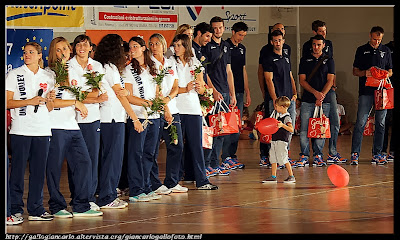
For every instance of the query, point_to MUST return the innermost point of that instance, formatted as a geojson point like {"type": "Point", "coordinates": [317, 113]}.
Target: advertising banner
{"type": "Point", "coordinates": [16, 40]}
{"type": "Point", "coordinates": [141, 17]}
{"type": "Point", "coordinates": [41, 16]}
{"type": "Point", "coordinates": [193, 15]}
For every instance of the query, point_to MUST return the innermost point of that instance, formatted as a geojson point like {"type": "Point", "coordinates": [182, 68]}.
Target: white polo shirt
{"type": "Point", "coordinates": [25, 85]}
{"type": "Point", "coordinates": [76, 72]}
{"type": "Point", "coordinates": [112, 108]}
{"type": "Point", "coordinates": [63, 118]}
{"type": "Point", "coordinates": [168, 81]}
{"type": "Point", "coordinates": [187, 103]}
{"type": "Point", "coordinates": [143, 87]}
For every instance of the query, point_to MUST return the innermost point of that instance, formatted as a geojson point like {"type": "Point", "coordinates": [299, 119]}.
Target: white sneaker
{"type": "Point", "coordinates": [113, 205]}
{"type": "Point", "coordinates": [163, 190]}
{"type": "Point", "coordinates": [13, 220]}
{"type": "Point", "coordinates": [153, 196]}
{"type": "Point", "coordinates": [122, 202]}
{"type": "Point", "coordinates": [94, 206]}
{"type": "Point", "coordinates": [139, 198]}
{"type": "Point", "coordinates": [179, 189]}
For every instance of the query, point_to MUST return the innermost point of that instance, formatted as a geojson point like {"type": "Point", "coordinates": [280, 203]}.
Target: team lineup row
{"type": "Point", "coordinates": [93, 111]}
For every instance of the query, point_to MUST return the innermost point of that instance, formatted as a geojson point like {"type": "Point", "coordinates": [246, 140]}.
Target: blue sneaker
{"type": "Point", "coordinates": [238, 164]}
{"type": "Point", "coordinates": [335, 159]}
{"type": "Point", "coordinates": [222, 171]}
{"type": "Point", "coordinates": [318, 161]}
{"type": "Point", "coordinates": [378, 159]}
{"type": "Point", "coordinates": [229, 164]}
{"type": "Point", "coordinates": [354, 159]}
{"type": "Point", "coordinates": [210, 172]}
{"type": "Point", "coordinates": [264, 162]}
{"type": "Point", "coordinates": [303, 161]}
{"type": "Point", "coordinates": [293, 163]}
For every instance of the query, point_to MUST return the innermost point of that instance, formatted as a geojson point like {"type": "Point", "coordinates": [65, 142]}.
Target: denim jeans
{"type": "Point", "coordinates": [365, 102]}
{"type": "Point", "coordinates": [306, 112]}
{"type": "Point", "coordinates": [334, 121]}
{"type": "Point", "coordinates": [233, 139]}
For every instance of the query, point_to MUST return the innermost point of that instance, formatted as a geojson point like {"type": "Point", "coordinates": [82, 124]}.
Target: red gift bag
{"type": "Point", "coordinates": [207, 135]}
{"type": "Point", "coordinates": [318, 125]}
{"type": "Point", "coordinates": [384, 98]}
{"type": "Point", "coordinates": [237, 112]}
{"type": "Point", "coordinates": [378, 77]}
{"type": "Point", "coordinates": [224, 123]}
{"type": "Point", "coordinates": [265, 138]}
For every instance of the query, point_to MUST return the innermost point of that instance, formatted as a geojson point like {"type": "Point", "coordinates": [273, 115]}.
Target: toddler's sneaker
{"type": "Point", "coordinates": [303, 161]}
{"type": "Point", "coordinates": [13, 220]}
{"type": "Point", "coordinates": [44, 217]}
{"type": "Point", "coordinates": [290, 179]}
{"type": "Point", "coordinates": [264, 162]}
{"type": "Point", "coordinates": [354, 159]}
{"type": "Point", "coordinates": [378, 159]}
{"type": "Point", "coordinates": [270, 179]}
{"type": "Point", "coordinates": [318, 161]}
{"type": "Point", "coordinates": [139, 198]}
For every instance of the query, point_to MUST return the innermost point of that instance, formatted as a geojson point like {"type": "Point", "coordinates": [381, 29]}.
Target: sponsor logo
{"type": "Point", "coordinates": [194, 12]}
{"type": "Point", "coordinates": [33, 11]}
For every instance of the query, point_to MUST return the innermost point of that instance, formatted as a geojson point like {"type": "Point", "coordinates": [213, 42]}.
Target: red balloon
{"type": "Point", "coordinates": [338, 175]}
{"type": "Point", "coordinates": [267, 126]}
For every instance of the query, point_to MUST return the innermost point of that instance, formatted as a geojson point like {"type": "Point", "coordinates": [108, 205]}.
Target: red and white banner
{"type": "Point", "coordinates": [140, 17]}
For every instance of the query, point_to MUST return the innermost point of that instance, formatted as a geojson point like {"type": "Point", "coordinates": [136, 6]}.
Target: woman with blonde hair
{"type": "Point", "coordinates": [182, 29]}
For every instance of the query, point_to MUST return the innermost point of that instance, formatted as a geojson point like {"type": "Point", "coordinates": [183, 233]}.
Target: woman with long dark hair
{"type": "Point", "coordinates": [188, 103]}
{"type": "Point", "coordinates": [141, 147]}
{"type": "Point", "coordinates": [110, 54]}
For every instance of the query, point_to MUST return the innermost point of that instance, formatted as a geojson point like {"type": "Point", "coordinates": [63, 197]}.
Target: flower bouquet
{"type": "Point", "coordinates": [93, 78]}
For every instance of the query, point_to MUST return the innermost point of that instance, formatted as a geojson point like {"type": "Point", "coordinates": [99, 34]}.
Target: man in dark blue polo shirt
{"type": "Point", "coordinates": [368, 55]}
{"type": "Point", "coordinates": [238, 65]}
{"type": "Point", "coordinates": [315, 90]}
{"type": "Point", "coordinates": [220, 78]}
{"type": "Point", "coordinates": [265, 51]}
{"type": "Point", "coordinates": [279, 78]}
{"type": "Point", "coordinates": [319, 27]}
{"type": "Point", "coordinates": [201, 36]}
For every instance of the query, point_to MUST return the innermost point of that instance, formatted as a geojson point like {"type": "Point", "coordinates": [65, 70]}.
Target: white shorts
{"type": "Point", "coordinates": [279, 152]}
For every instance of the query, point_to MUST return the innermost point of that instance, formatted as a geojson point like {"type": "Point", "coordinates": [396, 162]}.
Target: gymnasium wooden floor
{"type": "Point", "coordinates": [244, 205]}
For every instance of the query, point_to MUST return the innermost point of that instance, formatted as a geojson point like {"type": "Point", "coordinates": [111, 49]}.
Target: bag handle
{"type": "Point", "coordinates": [381, 84]}
{"type": "Point", "coordinates": [274, 114]}
{"type": "Point", "coordinates": [204, 121]}
{"type": "Point", "coordinates": [227, 107]}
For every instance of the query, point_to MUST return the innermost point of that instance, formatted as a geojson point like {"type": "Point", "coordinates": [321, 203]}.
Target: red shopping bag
{"type": "Point", "coordinates": [369, 126]}
{"type": "Point", "coordinates": [237, 112]}
{"type": "Point", "coordinates": [318, 125]}
{"type": "Point", "coordinates": [207, 135]}
{"type": "Point", "coordinates": [384, 98]}
{"type": "Point", "coordinates": [378, 77]}
{"type": "Point", "coordinates": [224, 123]}
{"type": "Point", "coordinates": [265, 138]}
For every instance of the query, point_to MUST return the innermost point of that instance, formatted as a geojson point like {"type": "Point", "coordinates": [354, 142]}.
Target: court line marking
{"type": "Point", "coordinates": [215, 208]}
